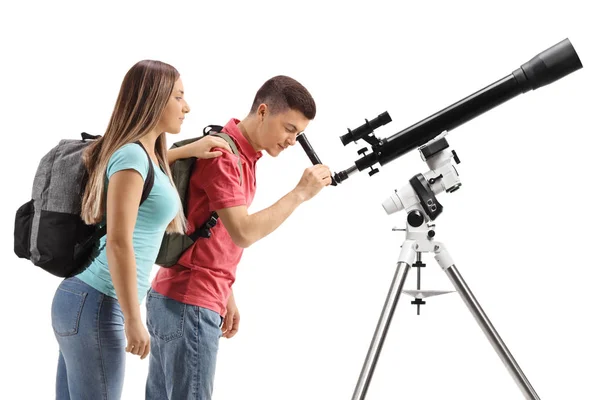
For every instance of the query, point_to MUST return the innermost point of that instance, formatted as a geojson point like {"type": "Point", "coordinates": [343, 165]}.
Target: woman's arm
{"type": "Point", "coordinates": [124, 193]}
{"type": "Point", "coordinates": [199, 149]}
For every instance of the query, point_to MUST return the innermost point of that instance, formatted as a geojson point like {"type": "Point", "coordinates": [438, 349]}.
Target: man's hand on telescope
{"type": "Point", "coordinates": [313, 180]}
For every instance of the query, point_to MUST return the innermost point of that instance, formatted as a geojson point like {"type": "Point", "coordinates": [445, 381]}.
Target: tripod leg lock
{"type": "Point", "coordinates": [408, 252]}
{"type": "Point", "coordinates": [442, 256]}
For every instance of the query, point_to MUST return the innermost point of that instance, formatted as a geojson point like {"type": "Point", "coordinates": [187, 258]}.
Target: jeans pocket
{"type": "Point", "coordinates": [164, 316]}
{"type": "Point", "coordinates": [66, 311]}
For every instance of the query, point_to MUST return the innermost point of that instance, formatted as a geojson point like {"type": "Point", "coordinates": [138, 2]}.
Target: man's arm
{"type": "Point", "coordinates": [246, 229]}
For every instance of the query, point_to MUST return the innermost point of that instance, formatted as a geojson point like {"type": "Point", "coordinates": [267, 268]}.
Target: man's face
{"type": "Point", "coordinates": [278, 131]}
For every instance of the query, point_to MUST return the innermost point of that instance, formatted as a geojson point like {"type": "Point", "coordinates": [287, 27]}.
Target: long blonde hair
{"type": "Point", "coordinates": [143, 96]}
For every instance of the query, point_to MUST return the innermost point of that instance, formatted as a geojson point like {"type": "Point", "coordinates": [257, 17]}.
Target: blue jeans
{"type": "Point", "coordinates": [184, 341]}
{"type": "Point", "coordinates": [89, 328]}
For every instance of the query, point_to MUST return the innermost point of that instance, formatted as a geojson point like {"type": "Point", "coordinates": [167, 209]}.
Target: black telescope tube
{"type": "Point", "coordinates": [546, 67]}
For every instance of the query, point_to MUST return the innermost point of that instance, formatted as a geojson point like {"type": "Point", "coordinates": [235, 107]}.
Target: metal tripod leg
{"type": "Point", "coordinates": [494, 338]}
{"type": "Point", "coordinates": [385, 319]}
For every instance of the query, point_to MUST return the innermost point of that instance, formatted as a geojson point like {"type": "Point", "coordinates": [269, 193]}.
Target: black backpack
{"type": "Point", "coordinates": [49, 230]}
{"type": "Point", "coordinates": [174, 244]}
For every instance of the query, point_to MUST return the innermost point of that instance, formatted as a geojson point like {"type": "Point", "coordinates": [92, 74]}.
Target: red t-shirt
{"type": "Point", "coordinates": [205, 272]}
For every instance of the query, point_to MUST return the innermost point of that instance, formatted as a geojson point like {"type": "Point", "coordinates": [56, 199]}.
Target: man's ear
{"type": "Point", "coordinates": [262, 111]}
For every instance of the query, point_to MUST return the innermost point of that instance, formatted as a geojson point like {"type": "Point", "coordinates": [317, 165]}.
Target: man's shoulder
{"type": "Point", "coordinates": [224, 165]}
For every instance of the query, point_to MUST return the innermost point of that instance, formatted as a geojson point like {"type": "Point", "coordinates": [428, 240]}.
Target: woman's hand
{"type": "Point", "coordinates": [138, 339]}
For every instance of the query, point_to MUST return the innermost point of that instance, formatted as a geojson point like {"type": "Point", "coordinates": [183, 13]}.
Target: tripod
{"type": "Point", "coordinates": [418, 199]}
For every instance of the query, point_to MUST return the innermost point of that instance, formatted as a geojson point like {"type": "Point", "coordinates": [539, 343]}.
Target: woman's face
{"type": "Point", "coordinates": [174, 113]}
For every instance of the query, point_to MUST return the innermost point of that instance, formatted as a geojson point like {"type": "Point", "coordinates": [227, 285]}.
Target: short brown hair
{"type": "Point", "coordinates": [281, 93]}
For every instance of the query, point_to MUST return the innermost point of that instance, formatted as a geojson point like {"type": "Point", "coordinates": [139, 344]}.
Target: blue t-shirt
{"type": "Point", "coordinates": [154, 215]}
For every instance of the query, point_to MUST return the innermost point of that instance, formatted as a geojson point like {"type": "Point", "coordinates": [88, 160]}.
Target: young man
{"type": "Point", "coordinates": [188, 302]}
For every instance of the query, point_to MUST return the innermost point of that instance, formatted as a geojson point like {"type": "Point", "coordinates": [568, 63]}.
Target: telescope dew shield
{"type": "Point", "coordinates": [548, 66]}
{"type": "Point", "coordinates": [543, 69]}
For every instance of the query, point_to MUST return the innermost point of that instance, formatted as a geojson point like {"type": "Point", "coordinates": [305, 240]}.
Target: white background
{"type": "Point", "coordinates": [522, 229]}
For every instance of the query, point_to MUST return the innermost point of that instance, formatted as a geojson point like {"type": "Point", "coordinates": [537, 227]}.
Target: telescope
{"type": "Point", "coordinates": [548, 66]}
{"type": "Point", "coordinates": [418, 197]}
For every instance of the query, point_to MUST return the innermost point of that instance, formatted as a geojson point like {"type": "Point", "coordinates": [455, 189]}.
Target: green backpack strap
{"type": "Point", "coordinates": [174, 245]}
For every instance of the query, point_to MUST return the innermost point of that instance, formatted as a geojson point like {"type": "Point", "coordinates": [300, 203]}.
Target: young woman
{"type": "Point", "coordinates": [96, 314]}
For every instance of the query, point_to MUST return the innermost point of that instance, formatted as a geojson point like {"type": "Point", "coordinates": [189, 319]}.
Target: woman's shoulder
{"type": "Point", "coordinates": [130, 150]}
{"type": "Point", "coordinates": [130, 155]}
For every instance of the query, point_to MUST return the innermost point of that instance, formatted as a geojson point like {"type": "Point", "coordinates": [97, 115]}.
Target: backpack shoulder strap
{"type": "Point", "coordinates": [211, 128]}
{"type": "Point", "coordinates": [234, 149]}
{"type": "Point", "coordinates": [149, 182]}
